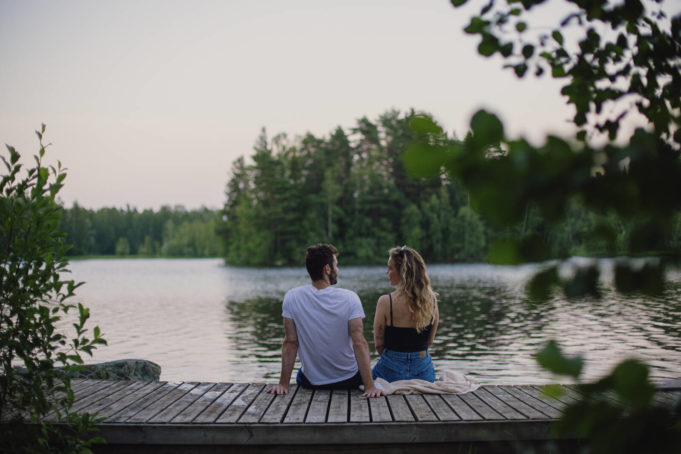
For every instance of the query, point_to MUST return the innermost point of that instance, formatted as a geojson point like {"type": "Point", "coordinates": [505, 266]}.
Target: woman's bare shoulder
{"type": "Point", "coordinates": [383, 300]}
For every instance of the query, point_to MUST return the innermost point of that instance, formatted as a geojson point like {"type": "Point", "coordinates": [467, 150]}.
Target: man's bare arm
{"type": "Point", "coordinates": [361, 348]}
{"type": "Point", "coordinates": [289, 351]}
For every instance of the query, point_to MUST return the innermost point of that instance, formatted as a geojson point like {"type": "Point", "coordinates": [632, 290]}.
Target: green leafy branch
{"type": "Point", "coordinates": [619, 412]}
{"type": "Point", "coordinates": [618, 55]}
{"type": "Point", "coordinates": [36, 360]}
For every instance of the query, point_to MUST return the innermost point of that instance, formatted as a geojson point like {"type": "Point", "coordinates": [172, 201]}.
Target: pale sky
{"type": "Point", "coordinates": [148, 102]}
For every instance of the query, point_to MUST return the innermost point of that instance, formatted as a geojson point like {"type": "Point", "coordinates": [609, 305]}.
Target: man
{"type": "Point", "coordinates": [323, 324]}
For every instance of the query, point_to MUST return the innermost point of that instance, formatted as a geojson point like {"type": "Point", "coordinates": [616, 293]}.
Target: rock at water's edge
{"type": "Point", "coordinates": [124, 369]}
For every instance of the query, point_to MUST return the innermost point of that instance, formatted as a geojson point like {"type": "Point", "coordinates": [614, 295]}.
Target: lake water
{"type": "Point", "coordinates": [204, 321]}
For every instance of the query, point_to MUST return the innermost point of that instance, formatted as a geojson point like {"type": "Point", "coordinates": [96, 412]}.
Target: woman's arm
{"type": "Point", "coordinates": [379, 324]}
{"type": "Point", "coordinates": [436, 319]}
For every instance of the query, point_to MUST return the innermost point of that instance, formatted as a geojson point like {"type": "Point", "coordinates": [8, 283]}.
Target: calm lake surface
{"type": "Point", "coordinates": [204, 321]}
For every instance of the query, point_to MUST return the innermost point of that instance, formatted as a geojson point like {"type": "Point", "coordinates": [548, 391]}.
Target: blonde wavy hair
{"type": "Point", "coordinates": [415, 285]}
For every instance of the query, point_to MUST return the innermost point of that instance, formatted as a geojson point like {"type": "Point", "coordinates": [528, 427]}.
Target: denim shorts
{"type": "Point", "coordinates": [393, 366]}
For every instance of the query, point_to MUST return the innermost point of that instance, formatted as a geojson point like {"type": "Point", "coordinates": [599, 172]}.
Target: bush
{"type": "Point", "coordinates": [35, 359]}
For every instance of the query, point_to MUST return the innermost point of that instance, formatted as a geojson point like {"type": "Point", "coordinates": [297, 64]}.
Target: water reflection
{"type": "Point", "coordinates": [256, 327]}
{"type": "Point", "coordinates": [489, 328]}
{"type": "Point", "coordinates": [203, 321]}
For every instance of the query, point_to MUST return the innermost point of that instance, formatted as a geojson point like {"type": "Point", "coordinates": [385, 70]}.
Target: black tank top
{"type": "Point", "coordinates": [399, 339]}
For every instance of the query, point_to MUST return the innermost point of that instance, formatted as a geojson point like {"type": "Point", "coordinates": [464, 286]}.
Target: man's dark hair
{"type": "Point", "coordinates": [316, 257]}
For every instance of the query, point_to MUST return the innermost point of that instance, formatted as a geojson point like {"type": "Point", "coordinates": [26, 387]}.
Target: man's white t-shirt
{"type": "Point", "coordinates": [324, 342]}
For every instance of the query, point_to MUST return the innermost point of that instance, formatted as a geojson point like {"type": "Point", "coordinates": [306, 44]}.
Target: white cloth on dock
{"type": "Point", "coordinates": [449, 382]}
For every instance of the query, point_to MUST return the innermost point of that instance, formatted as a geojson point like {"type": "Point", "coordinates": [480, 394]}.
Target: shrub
{"type": "Point", "coordinates": [35, 358]}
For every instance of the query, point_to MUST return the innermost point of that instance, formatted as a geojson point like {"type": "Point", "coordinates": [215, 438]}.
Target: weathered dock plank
{"type": "Point", "coordinates": [135, 407]}
{"type": "Point", "coordinates": [257, 408]}
{"type": "Point", "coordinates": [564, 398]}
{"type": "Point", "coordinates": [130, 398]}
{"type": "Point", "coordinates": [667, 397]}
{"type": "Point", "coordinates": [240, 404]}
{"type": "Point", "coordinates": [520, 406]}
{"type": "Point", "coordinates": [549, 406]}
{"type": "Point", "coordinates": [380, 412]}
{"type": "Point", "coordinates": [338, 407]}
{"type": "Point", "coordinates": [298, 408]}
{"type": "Point", "coordinates": [537, 404]}
{"type": "Point", "coordinates": [499, 406]}
{"type": "Point", "coordinates": [83, 393]}
{"type": "Point", "coordinates": [460, 407]}
{"type": "Point", "coordinates": [220, 404]}
{"type": "Point", "coordinates": [443, 411]}
{"type": "Point", "coordinates": [181, 403]}
{"type": "Point", "coordinates": [319, 407]}
{"type": "Point", "coordinates": [101, 393]}
{"type": "Point", "coordinates": [572, 391]}
{"type": "Point", "coordinates": [157, 406]}
{"type": "Point", "coordinates": [675, 395]}
{"type": "Point", "coordinates": [200, 404]}
{"type": "Point", "coordinates": [78, 384]}
{"type": "Point", "coordinates": [399, 408]}
{"type": "Point", "coordinates": [420, 408]}
{"type": "Point", "coordinates": [118, 394]}
{"type": "Point", "coordinates": [359, 407]}
{"type": "Point", "coordinates": [277, 410]}
{"type": "Point", "coordinates": [481, 407]}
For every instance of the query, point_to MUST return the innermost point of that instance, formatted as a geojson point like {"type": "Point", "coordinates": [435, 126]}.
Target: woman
{"type": "Point", "coordinates": [406, 320]}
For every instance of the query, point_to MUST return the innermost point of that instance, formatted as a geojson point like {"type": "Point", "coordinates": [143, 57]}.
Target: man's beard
{"type": "Point", "coordinates": [333, 278]}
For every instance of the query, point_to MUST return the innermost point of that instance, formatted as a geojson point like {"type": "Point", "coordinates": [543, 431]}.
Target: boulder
{"type": "Point", "coordinates": [124, 369]}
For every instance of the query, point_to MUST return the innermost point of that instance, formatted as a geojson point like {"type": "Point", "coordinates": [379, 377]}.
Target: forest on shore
{"type": "Point", "coordinates": [350, 189]}
{"type": "Point", "coordinates": [167, 232]}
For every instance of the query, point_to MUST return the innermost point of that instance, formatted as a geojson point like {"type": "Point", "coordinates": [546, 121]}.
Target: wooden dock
{"type": "Point", "coordinates": [224, 417]}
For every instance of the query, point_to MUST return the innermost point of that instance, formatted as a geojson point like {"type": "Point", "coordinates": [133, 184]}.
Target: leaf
{"type": "Point", "coordinates": [552, 359]}
{"type": "Point", "coordinates": [458, 3]}
{"type": "Point", "coordinates": [488, 45]}
{"type": "Point", "coordinates": [584, 283]}
{"type": "Point", "coordinates": [424, 124]}
{"type": "Point", "coordinates": [521, 27]}
{"type": "Point", "coordinates": [506, 50]}
{"type": "Point", "coordinates": [558, 37]}
{"type": "Point", "coordinates": [487, 8]}
{"type": "Point", "coordinates": [504, 252]}
{"type": "Point", "coordinates": [553, 391]}
{"type": "Point", "coordinates": [487, 128]}
{"type": "Point", "coordinates": [631, 383]}
{"type": "Point", "coordinates": [476, 26]}
{"type": "Point", "coordinates": [557, 71]}
{"type": "Point", "coordinates": [528, 50]}
{"type": "Point", "coordinates": [542, 284]}
{"type": "Point", "coordinates": [422, 160]}
{"type": "Point", "coordinates": [520, 69]}
{"type": "Point", "coordinates": [647, 279]}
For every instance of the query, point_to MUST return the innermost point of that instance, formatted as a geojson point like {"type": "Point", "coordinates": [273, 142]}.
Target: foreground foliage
{"type": "Point", "coordinates": [619, 412]}
{"type": "Point", "coordinates": [619, 60]}
{"type": "Point", "coordinates": [35, 357]}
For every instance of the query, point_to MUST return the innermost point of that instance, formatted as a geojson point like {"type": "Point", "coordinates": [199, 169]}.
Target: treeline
{"type": "Point", "coordinates": [168, 232]}
{"type": "Point", "coordinates": [351, 189]}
